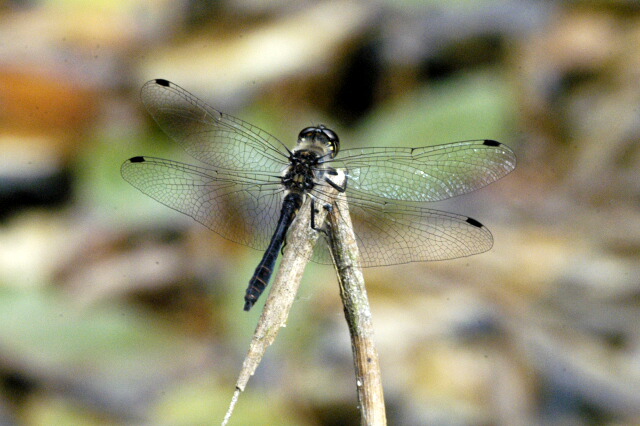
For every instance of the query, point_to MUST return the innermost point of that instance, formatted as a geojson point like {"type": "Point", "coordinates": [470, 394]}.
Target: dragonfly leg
{"type": "Point", "coordinates": [328, 207]}
{"type": "Point", "coordinates": [314, 210]}
{"type": "Point", "coordinates": [333, 172]}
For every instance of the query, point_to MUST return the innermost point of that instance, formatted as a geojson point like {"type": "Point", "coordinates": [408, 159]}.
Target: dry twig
{"type": "Point", "coordinates": [358, 315]}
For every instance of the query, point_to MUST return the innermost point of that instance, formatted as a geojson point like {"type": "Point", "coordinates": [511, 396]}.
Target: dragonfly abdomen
{"type": "Point", "coordinates": [290, 205]}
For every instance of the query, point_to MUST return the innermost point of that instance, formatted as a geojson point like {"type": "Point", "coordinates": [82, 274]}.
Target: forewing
{"type": "Point", "coordinates": [431, 173]}
{"type": "Point", "coordinates": [242, 207]}
{"type": "Point", "coordinates": [209, 135]}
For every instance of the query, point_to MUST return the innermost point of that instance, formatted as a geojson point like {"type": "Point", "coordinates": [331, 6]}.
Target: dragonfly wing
{"type": "Point", "coordinates": [391, 234]}
{"type": "Point", "coordinates": [209, 135]}
{"type": "Point", "coordinates": [431, 173]}
{"type": "Point", "coordinates": [241, 207]}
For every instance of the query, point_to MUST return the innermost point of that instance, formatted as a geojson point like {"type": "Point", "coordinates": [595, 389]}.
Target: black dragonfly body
{"type": "Point", "coordinates": [251, 185]}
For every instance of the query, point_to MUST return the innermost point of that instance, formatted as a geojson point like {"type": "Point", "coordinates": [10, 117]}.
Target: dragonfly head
{"type": "Point", "coordinates": [320, 138]}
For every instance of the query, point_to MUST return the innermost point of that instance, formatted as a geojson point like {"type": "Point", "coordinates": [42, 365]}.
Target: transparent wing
{"type": "Point", "coordinates": [209, 135]}
{"type": "Point", "coordinates": [390, 233]}
{"type": "Point", "coordinates": [431, 173]}
{"type": "Point", "coordinates": [241, 207]}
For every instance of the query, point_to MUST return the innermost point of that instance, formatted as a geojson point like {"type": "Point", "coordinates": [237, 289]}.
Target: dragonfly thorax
{"type": "Point", "coordinates": [300, 174]}
{"type": "Point", "coordinates": [316, 145]}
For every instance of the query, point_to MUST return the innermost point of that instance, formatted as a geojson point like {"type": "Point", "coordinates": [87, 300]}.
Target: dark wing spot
{"type": "Point", "coordinates": [136, 160]}
{"type": "Point", "coordinates": [490, 142]}
{"type": "Point", "coordinates": [162, 82]}
{"type": "Point", "coordinates": [474, 222]}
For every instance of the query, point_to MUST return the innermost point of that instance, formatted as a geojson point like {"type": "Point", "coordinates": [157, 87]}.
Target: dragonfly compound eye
{"type": "Point", "coordinates": [307, 133]}
{"type": "Point", "coordinates": [320, 135]}
{"type": "Point", "coordinates": [332, 140]}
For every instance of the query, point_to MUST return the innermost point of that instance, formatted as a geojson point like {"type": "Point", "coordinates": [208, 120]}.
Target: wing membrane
{"type": "Point", "coordinates": [392, 234]}
{"type": "Point", "coordinates": [241, 207]}
{"type": "Point", "coordinates": [431, 173]}
{"type": "Point", "coordinates": [209, 135]}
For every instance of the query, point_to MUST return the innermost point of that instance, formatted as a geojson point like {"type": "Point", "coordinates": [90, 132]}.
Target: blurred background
{"type": "Point", "coordinates": [117, 310]}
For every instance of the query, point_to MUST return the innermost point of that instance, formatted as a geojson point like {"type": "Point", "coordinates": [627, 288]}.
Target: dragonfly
{"type": "Point", "coordinates": [250, 186]}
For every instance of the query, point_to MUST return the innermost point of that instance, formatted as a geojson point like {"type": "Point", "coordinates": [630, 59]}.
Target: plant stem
{"type": "Point", "coordinates": [358, 314]}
